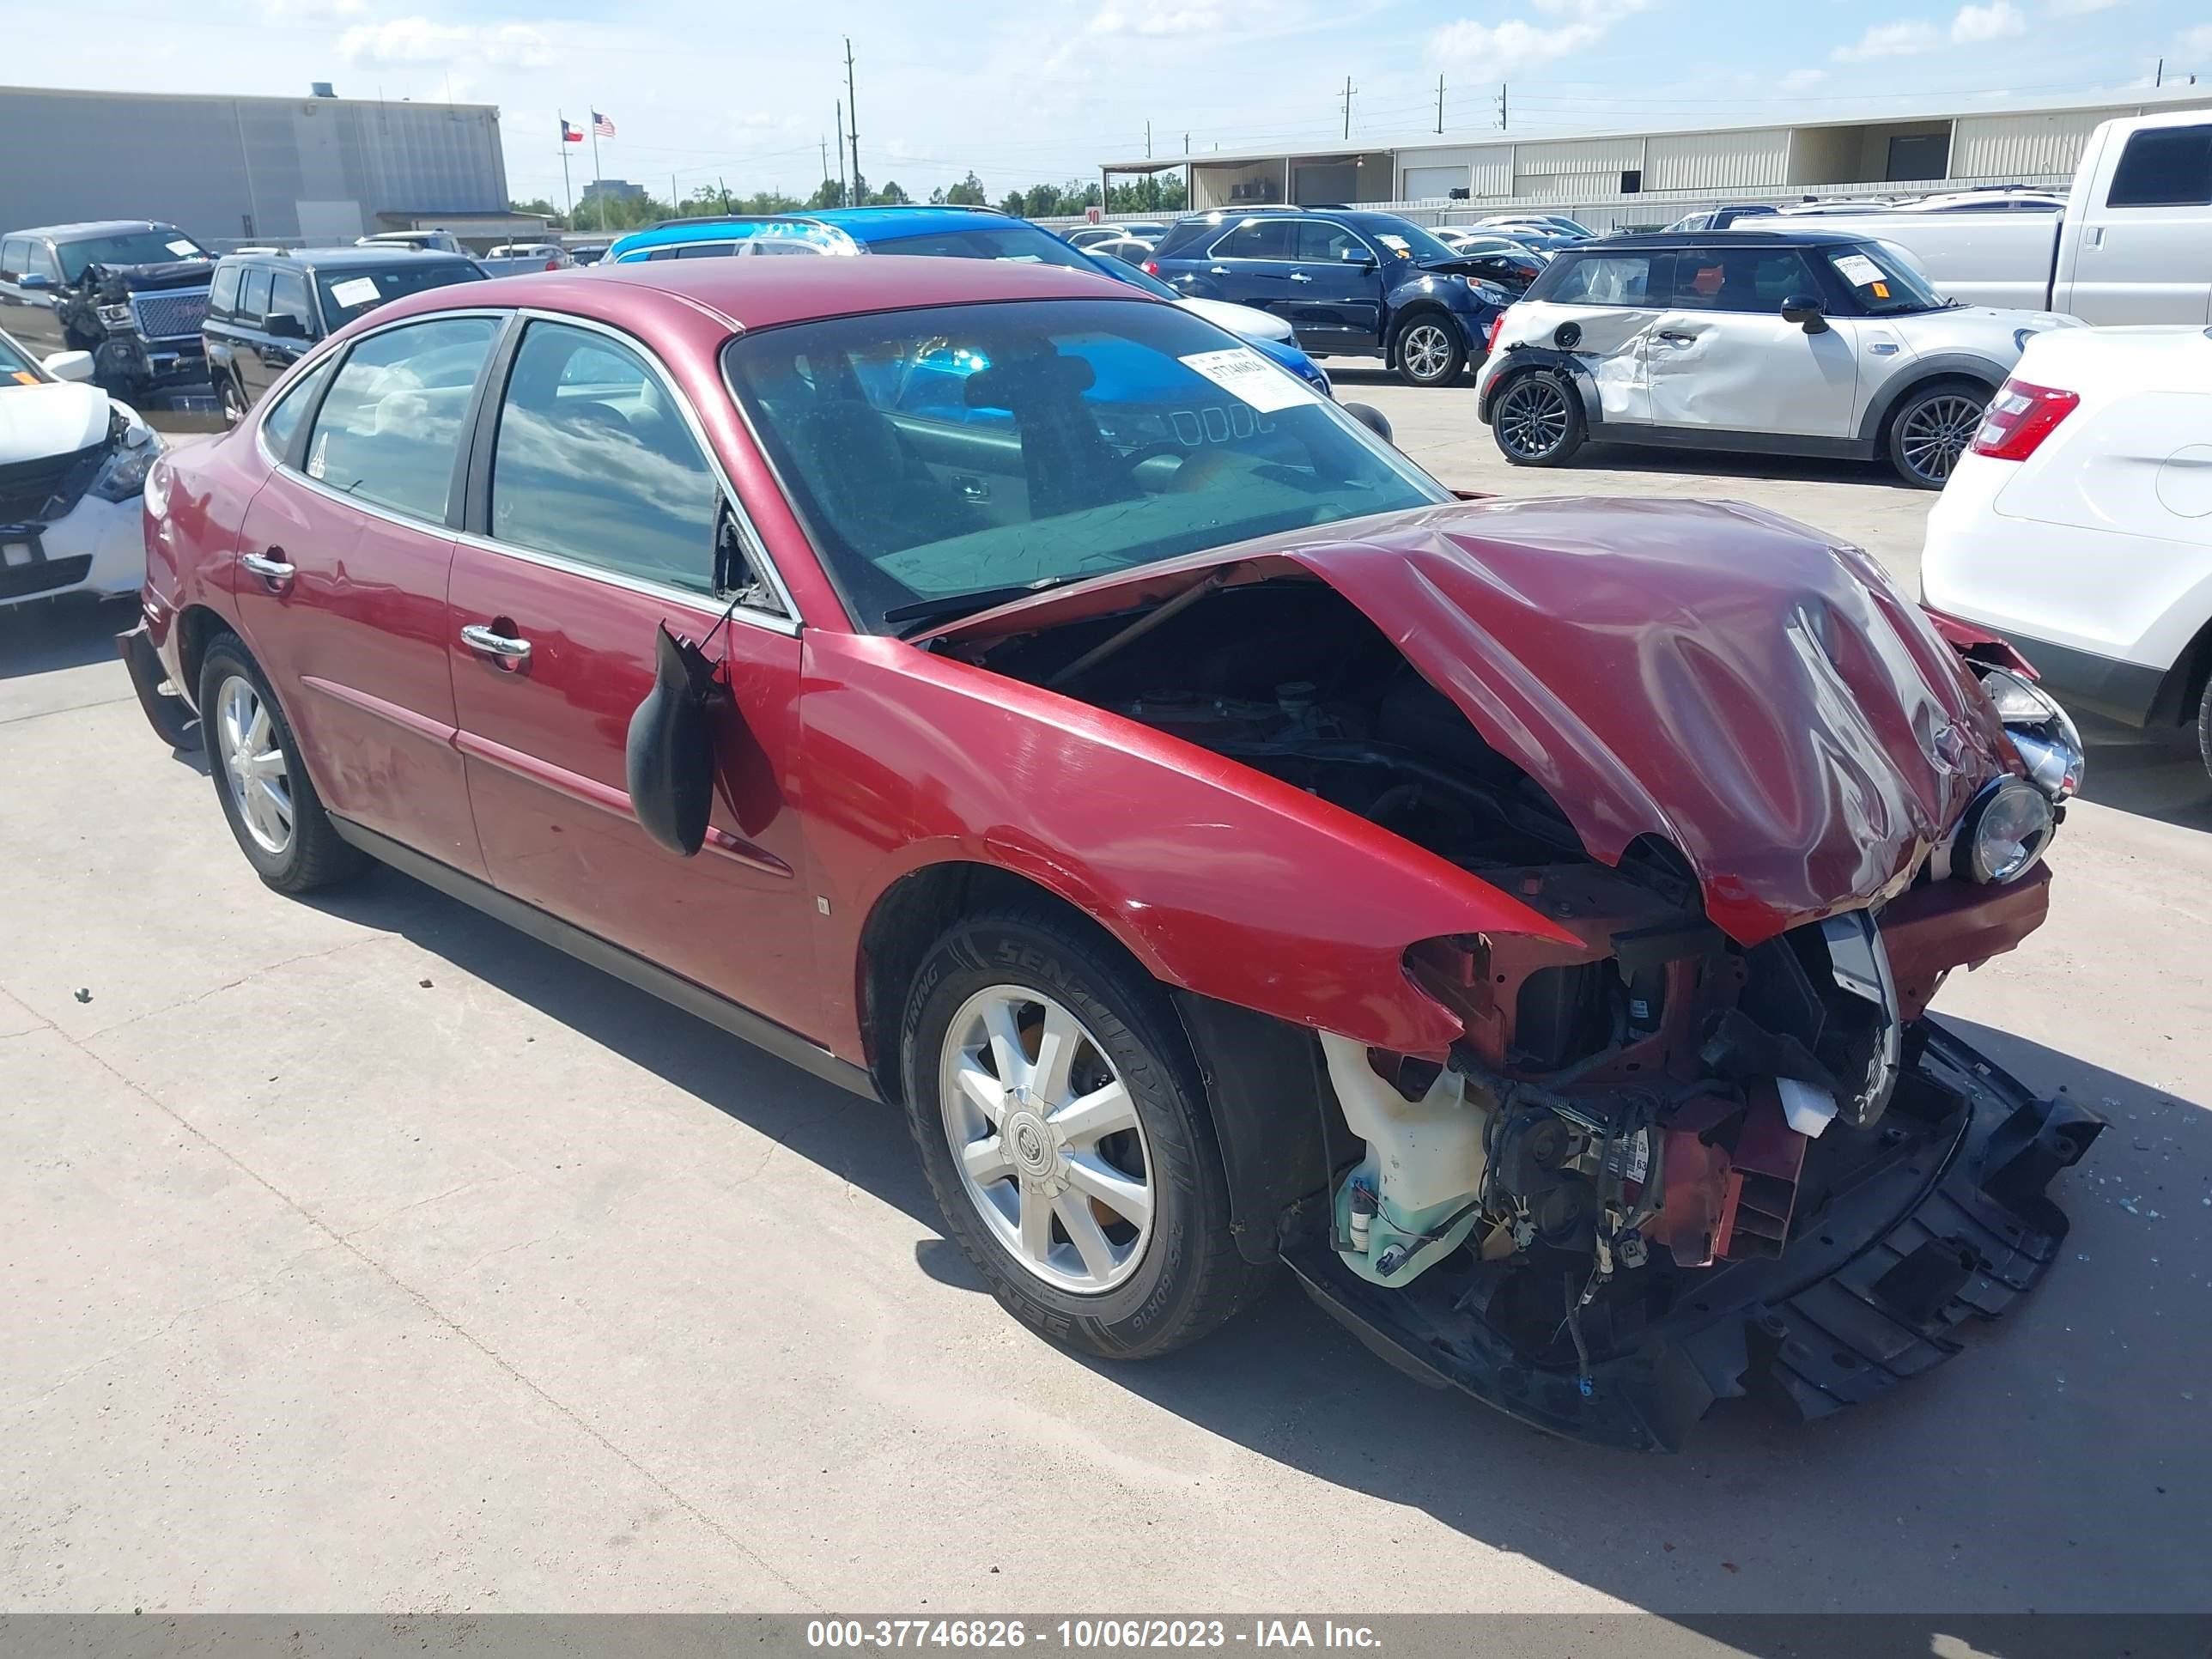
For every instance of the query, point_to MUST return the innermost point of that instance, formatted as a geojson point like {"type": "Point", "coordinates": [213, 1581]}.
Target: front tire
{"type": "Point", "coordinates": [1430, 351]}
{"type": "Point", "coordinates": [1063, 1130]}
{"type": "Point", "coordinates": [1932, 428]}
{"type": "Point", "coordinates": [1537, 420]}
{"type": "Point", "coordinates": [2204, 728]}
{"type": "Point", "coordinates": [231, 399]}
{"type": "Point", "coordinates": [271, 806]}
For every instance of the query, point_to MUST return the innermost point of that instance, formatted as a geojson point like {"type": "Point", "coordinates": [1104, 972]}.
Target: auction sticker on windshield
{"type": "Point", "coordinates": [1246, 374]}
{"type": "Point", "coordinates": [1859, 270]}
{"type": "Point", "coordinates": [354, 291]}
{"type": "Point", "coordinates": [183, 249]}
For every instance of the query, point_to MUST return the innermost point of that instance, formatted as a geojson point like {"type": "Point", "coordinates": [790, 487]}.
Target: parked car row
{"type": "Point", "coordinates": [1008, 695]}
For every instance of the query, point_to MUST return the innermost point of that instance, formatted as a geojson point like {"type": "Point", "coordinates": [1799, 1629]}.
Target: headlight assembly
{"type": "Point", "coordinates": [2003, 833]}
{"type": "Point", "coordinates": [116, 317]}
{"type": "Point", "coordinates": [2039, 729]}
{"type": "Point", "coordinates": [123, 474]}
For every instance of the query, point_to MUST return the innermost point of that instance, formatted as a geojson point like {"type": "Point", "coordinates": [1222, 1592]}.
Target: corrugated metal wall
{"type": "Point", "coordinates": [215, 166]}
{"type": "Point", "coordinates": [1716, 160]}
{"type": "Point", "coordinates": [1582, 156]}
{"type": "Point", "coordinates": [2005, 147]}
{"type": "Point", "coordinates": [1569, 186]}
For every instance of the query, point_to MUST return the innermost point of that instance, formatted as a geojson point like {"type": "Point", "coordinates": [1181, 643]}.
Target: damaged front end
{"type": "Point", "coordinates": [146, 320]}
{"type": "Point", "coordinates": [1700, 1131]}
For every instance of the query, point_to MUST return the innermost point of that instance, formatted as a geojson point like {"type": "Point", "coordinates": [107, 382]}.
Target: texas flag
{"type": "Point", "coordinates": [570, 135]}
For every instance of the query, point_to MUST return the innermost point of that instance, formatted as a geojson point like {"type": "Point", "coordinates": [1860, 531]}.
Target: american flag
{"type": "Point", "coordinates": [601, 125]}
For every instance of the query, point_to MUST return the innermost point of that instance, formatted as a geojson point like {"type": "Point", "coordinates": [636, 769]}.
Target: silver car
{"type": "Point", "coordinates": [1797, 341]}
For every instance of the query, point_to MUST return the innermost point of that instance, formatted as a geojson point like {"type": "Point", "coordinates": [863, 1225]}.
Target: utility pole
{"type": "Point", "coordinates": [840, 131]}
{"type": "Point", "coordinates": [853, 114]}
{"type": "Point", "coordinates": [2159, 79]}
{"type": "Point", "coordinates": [1348, 90]}
{"type": "Point", "coordinates": [675, 202]}
{"type": "Point", "coordinates": [1440, 103]}
{"type": "Point", "coordinates": [1503, 125]}
{"type": "Point", "coordinates": [823, 143]}
{"type": "Point", "coordinates": [724, 184]}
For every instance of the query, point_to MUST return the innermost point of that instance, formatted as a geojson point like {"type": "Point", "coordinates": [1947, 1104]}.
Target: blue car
{"type": "Point", "coordinates": [961, 233]}
{"type": "Point", "coordinates": [1348, 282]}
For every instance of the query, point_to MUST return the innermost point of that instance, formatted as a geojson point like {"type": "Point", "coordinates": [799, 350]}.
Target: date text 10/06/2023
{"type": "Point", "coordinates": [1087, 1635]}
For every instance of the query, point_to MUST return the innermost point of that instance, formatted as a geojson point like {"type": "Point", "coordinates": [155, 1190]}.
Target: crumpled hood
{"type": "Point", "coordinates": [1721, 677]}
{"type": "Point", "coordinates": [116, 281]}
{"type": "Point", "coordinates": [52, 418]}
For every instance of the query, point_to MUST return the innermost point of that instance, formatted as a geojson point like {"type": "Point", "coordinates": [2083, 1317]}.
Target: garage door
{"type": "Point", "coordinates": [1433, 184]}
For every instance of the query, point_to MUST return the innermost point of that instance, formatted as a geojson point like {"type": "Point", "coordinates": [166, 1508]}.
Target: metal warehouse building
{"type": "Point", "coordinates": [231, 170]}
{"type": "Point", "coordinates": [1607, 179]}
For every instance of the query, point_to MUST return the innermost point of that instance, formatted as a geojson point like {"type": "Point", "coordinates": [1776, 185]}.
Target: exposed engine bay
{"type": "Point", "coordinates": [1624, 1118]}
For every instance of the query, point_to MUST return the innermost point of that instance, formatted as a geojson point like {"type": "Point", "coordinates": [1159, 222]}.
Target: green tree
{"type": "Point", "coordinates": [537, 205]}
{"type": "Point", "coordinates": [1014, 203]}
{"type": "Point", "coordinates": [969, 193]}
{"type": "Point", "coordinates": [827, 194]}
{"type": "Point", "coordinates": [891, 194]}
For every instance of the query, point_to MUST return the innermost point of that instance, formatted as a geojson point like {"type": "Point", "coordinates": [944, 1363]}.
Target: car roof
{"type": "Point", "coordinates": [862, 222]}
{"type": "Point", "coordinates": [1765, 236]}
{"type": "Point", "coordinates": [90, 228]}
{"type": "Point", "coordinates": [751, 294]}
{"type": "Point", "coordinates": [384, 257]}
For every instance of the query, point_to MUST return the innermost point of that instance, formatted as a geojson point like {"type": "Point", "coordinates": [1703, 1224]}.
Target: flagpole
{"type": "Point", "coordinates": [596, 179]}
{"type": "Point", "coordinates": [567, 196]}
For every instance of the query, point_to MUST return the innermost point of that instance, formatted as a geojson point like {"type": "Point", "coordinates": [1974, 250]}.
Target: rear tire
{"type": "Point", "coordinates": [1930, 429]}
{"type": "Point", "coordinates": [1429, 351]}
{"type": "Point", "coordinates": [266, 795]}
{"type": "Point", "coordinates": [1537, 419]}
{"type": "Point", "coordinates": [2204, 728]}
{"type": "Point", "coordinates": [1002, 1135]}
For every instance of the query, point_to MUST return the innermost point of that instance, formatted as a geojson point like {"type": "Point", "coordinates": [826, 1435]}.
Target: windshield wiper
{"type": "Point", "coordinates": [921, 612]}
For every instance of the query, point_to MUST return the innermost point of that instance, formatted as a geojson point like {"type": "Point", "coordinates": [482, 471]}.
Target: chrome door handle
{"type": "Point", "coordinates": [1300, 276]}
{"type": "Point", "coordinates": [273, 570]}
{"type": "Point", "coordinates": [1673, 338]}
{"type": "Point", "coordinates": [487, 642]}
{"type": "Point", "coordinates": [1219, 270]}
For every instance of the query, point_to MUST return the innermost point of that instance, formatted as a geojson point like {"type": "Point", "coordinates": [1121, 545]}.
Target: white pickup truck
{"type": "Point", "coordinates": [2134, 244]}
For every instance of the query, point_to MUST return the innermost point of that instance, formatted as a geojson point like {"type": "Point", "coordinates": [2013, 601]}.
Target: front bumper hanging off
{"type": "Point", "coordinates": [1952, 1222]}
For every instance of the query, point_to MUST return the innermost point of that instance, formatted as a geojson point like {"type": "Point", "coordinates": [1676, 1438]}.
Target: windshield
{"type": "Point", "coordinates": [1404, 238]}
{"type": "Point", "coordinates": [946, 460]}
{"type": "Point", "coordinates": [1028, 244]}
{"type": "Point", "coordinates": [16, 368]}
{"type": "Point", "coordinates": [347, 293]}
{"type": "Point", "coordinates": [1883, 279]}
{"type": "Point", "coordinates": [129, 247]}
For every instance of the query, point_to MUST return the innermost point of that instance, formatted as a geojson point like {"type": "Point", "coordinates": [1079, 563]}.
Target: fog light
{"type": "Point", "coordinates": [2005, 830]}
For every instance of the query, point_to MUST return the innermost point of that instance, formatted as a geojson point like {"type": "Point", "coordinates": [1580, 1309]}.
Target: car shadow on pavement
{"type": "Point", "coordinates": [42, 638]}
{"type": "Point", "coordinates": [2048, 1468]}
{"type": "Point", "coordinates": [2160, 776]}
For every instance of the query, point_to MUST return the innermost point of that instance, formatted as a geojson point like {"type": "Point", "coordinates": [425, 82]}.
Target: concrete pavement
{"type": "Point", "coordinates": [365, 1254]}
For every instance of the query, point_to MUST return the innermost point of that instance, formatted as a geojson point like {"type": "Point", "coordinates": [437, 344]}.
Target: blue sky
{"type": "Point", "coordinates": [1023, 91]}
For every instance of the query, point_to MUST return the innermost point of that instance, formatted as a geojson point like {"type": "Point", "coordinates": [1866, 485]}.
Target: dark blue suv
{"type": "Point", "coordinates": [1348, 282]}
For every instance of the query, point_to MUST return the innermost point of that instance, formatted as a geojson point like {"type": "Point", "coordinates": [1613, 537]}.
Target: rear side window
{"type": "Point", "coordinates": [284, 415]}
{"type": "Point", "coordinates": [706, 250]}
{"type": "Point", "coordinates": [595, 462]}
{"type": "Point", "coordinates": [1611, 279]}
{"type": "Point", "coordinates": [223, 293]}
{"type": "Point", "coordinates": [1258, 238]}
{"type": "Point", "coordinates": [2165, 167]}
{"type": "Point", "coordinates": [13, 252]}
{"type": "Point", "coordinates": [391, 427]}
{"type": "Point", "coordinates": [253, 294]}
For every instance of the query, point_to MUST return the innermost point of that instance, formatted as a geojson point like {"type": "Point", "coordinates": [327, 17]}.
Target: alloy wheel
{"type": "Point", "coordinates": [254, 762]}
{"type": "Point", "coordinates": [1425, 351]}
{"type": "Point", "coordinates": [1531, 418]}
{"type": "Point", "coordinates": [1935, 434]}
{"type": "Point", "coordinates": [233, 407]}
{"type": "Point", "coordinates": [1046, 1139]}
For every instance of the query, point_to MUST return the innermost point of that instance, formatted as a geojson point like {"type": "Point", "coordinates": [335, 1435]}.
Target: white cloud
{"type": "Point", "coordinates": [2198, 40]}
{"type": "Point", "coordinates": [1972, 26]}
{"type": "Point", "coordinates": [308, 10]}
{"type": "Point", "coordinates": [1998, 20]}
{"type": "Point", "coordinates": [2078, 8]}
{"type": "Point", "coordinates": [1904, 39]}
{"type": "Point", "coordinates": [1516, 44]}
{"type": "Point", "coordinates": [1157, 20]}
{"type": "Point", "coordinates": [1799, 79]}
{"type": "Point", "coordinates": [419, 40]}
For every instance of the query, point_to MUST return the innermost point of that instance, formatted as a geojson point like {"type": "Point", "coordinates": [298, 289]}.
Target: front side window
{"type": "Point", "coordinates": [288, 299]}
{"type": "Point", "coordinates": [1611, 279]}
{"type": "Point", "coordinates": [2164, 167]}
{"type": "Point", "coordinates": [39, 261]}
{"type": "Point", "coordinates": [706, 250]}
{"type": "Point", "coordinates": [16, 369]}
{"type": "Point", "coordinates": [596, 462]}
{"type": "Point", "coordinates": [939, 454]}
{"type": "Point", "coordinates": [13, 252]}
{"type": "Point", "coordinates": [253, 294]}
{"type": "Point", "coordinates": [389, 430]}
{"type": "Point", "coordinates": [1321, 242]}
{"type": "Point", "coordinates": [1740, 279]}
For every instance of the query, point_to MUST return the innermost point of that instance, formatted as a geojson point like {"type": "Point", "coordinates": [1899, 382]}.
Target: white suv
{"type": "Point", "coordinates": [1793, 341]}
{"type": "Point", "coordinates": [2079, 525]}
